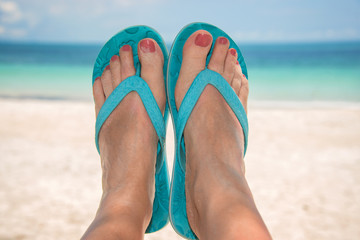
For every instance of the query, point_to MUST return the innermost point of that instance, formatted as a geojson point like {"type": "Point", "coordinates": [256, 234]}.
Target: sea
{"type": "Point", "coordinates": [292, 72]}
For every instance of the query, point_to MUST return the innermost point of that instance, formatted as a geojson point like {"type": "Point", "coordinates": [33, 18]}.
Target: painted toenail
{"type": "Point", "coordinates": [233, 52]}
{"type": "Point", "coordinates": [114, 58]}
{"type": "Point", "coordinates": [223, 40]}
{"type": "Point", "coordinates": [203, 40]}
{"type": "Point", "coordinates": [97, 78]}
{"type": "Point", "coordinates": [107, 67]}
{"type": "Point", "coordinates": [237, 62]}
{"type": "Point", "coordinates": [125, 48]}
{"type": "Point", "coordinates": [147, 46]}
{"type": "Point", "coordinates": [244, 76]}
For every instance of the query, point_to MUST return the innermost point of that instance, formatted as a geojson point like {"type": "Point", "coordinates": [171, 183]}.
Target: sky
{"type": "Point", "coordinates": [251, 21]}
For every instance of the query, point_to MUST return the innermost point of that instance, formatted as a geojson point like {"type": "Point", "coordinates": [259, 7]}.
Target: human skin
{"type": "Point", "coordinates": [219, 202]}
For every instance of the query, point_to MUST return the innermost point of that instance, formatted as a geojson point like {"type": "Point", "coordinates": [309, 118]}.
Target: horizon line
{"type": "Point", "coordinates": [2, 41]}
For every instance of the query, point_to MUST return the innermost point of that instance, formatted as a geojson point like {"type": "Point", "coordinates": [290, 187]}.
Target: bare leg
{"type": "Point", "coordinates": [128, 147]}
{"type": "Point", "coordinates": [219, 202]}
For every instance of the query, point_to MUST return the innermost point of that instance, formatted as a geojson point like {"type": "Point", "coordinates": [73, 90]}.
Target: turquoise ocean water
{"type": "Point", "coordinates": [277, 72]}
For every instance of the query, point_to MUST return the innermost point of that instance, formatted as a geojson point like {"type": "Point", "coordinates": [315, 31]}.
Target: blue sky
{"type": "Point", "coordinates": [94, 21]}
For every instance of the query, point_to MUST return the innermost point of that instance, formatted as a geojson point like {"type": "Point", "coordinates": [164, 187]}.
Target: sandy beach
{"type": "Point", "coordinates": [303, 166]}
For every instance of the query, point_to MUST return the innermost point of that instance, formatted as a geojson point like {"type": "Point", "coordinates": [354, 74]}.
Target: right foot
{"type": "Point", "coordinates": [128, 146]}
{"type": "Point", "coordinates": [211, 110]}
{"type": "Point", "coordinates": [214, 140]}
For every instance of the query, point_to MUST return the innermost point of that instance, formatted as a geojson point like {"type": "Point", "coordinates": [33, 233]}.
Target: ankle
{"type": "Point", "coordinates": [119, 219]}
{"type": "Point", "coordinates": [228, 215]}
{"type": "Point", "coordinates": [237, 222]}
{"type": "Point", "coordinates": [114, 227]}
{"type": "Point", "coordinates": [212, 187]}
{"type": "Point", "coordinates": [129, 168]}
{"type": "Point", "coordinates": [121, 202]}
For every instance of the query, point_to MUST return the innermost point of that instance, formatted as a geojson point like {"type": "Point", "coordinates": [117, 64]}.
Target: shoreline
{"type": "Point", "coordinates": [258, 104]}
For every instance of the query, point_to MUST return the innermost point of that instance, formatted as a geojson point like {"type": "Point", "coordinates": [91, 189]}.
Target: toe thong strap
{"type": "Point", "coordinates": [137, 84]}
{"type": "Point", "coordinates": [204, 78]}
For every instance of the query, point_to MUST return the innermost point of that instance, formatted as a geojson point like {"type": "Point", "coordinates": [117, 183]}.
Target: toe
{"type": "Point", "coordinates": [99, 96]}
{"type": "Point", "coordinates": [127, 68]}
{"type": "Point", "coordinates": [236, 84]}
{"type": "Point", "coordinates": [230, 63]}
{"type": "Point", "coordinates": [106, 81]}
{"type": "Point", "coordinates": [243, 91]}
{"type": "Point", "coordinates": [195, 51]}
{"type": "Point", "coordinates": [218, 56]}
{"type": "Point", "coordinates": [115, 70]}
{"type": "Point", "coordinates": [152, 63]}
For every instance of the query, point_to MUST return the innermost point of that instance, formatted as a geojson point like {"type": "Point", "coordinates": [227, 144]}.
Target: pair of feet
{"type": "Point", "coordinates": [214, 147]}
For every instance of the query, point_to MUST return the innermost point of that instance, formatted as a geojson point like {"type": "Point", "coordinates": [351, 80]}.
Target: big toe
{"type": "Point", "coordinates": [195, 51]}
{"type": "Point", "coordinates": [152, 64]}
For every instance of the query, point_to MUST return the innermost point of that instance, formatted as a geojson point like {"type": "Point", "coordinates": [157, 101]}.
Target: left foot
{"type": "Point", "coordinates": [128, 146]}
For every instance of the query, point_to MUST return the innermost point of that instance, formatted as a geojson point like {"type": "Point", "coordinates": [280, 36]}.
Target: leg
{"type": "Point", "coordinates": [219, 202]}
{"type": "Point", "coordinates": [128, 147]}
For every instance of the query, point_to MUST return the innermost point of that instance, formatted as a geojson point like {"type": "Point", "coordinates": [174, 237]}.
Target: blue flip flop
{"type": "Point", "coordinates": [178, 215]}
{"type": "Point", "coordinates": [132, 36]}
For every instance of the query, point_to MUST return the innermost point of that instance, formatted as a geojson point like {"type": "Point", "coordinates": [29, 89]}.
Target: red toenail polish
{"type": "Point", "coordinates": [97, 78]}
{"type": "Point", "coordinates": [223, 40]}
{"type": "Point", "coordinates": [237, 62]}
{"type": "Point", "coordinates": [244, 76]}
{"type": "Point", "coordinates": [203, 40]}
{"type": "Point", "coordinates": [147, 46]}
{"type": "Point", "coordinates": [125, 48]}
{"type": "Point", "coordinates": [233, 52]}
{"type": "Point", "coordinates": [114, 58]}
{"type": "Point", "coordinates": [107, 67]}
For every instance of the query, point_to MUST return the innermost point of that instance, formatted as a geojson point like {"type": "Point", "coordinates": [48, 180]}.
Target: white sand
{"type": "Point", "coordinates": [303, 166]}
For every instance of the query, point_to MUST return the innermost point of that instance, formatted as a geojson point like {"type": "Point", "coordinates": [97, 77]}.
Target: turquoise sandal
{"type": "Point", "coordinates": [178, 215]}
{"type": "Point", "coordinates": [132, 36]}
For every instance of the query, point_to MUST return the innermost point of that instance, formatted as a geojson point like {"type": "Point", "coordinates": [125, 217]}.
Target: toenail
{"type": "Point", "coordinates": [147, 46]}
{"type": "Point", "coordinates": [114, 58]}
{"type": "Point", "coordinates": [237, 62]}
{"type": "Point", "coordinates": [203, 40]}
{"type": "Point", "coordinates": [233, 52]}
{"type": "Point", "coordinates": [107, 67]}
{"type": "Point", "coordinates": [244, 76]}
{"type": "Point", "coordinates": [125, 48]}
{"type": "Point", "coordinates": [97, 78]}
{"type": "Point", "coordinates": [223, 40]}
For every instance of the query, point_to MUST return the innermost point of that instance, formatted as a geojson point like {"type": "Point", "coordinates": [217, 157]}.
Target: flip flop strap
{"type": "Point", "coordinates": [204, 78]}
{"type": "Point", "coordinates": [137, 84]}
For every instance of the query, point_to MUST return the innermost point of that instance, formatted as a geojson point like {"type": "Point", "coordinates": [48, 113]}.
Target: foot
{"type": "Point", "coordinates": [128, 146]}
{"type": "Point", "coordinates": [211, 109]}
{"type": "Point", "coordinates": [215, 172]}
